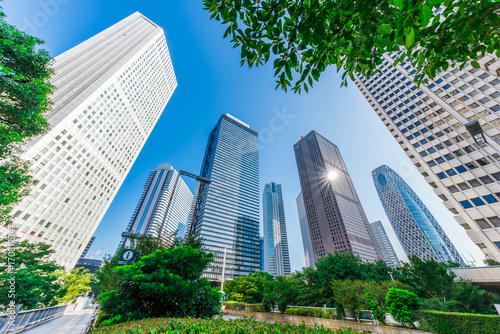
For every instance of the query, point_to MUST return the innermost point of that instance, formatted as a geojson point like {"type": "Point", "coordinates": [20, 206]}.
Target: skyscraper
{"type": "Point", "coordinates": [336, 219]}
{"type": "Point", "coordinates": [417, 230]}
{"type": "Point", "coordinates": [429, 124]}
{"type": "Point", "coordinates": [275, 238]}
{"type": "Point", "coordinates": [111, 90]}
{"type": "Point", "coordinates": [306, 236]}
{"type": "Point", "coordinates": [386, 246]}
{"type": "Point", "coordinates": [161, 211]}
{"type": "Point", "coordinates": [226, 212]}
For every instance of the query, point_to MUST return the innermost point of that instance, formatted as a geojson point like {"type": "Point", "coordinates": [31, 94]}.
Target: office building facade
{"type": "Point", "coordinates": [110, 92]}
{"type": "Point", "coordinates": [416, 228]}
{"type": "Point", "coordinates": [306, 236]}
{"type": "Point", "coordinates": [275, 238]}
{"type": "Point", "coordinates": [226, 212]}
{"type": "Point", "coordinates": [386, 246]}
{"type": "Point", "coordinates": [163, 209]}
{"type": "Point", "coordinates": [262, 260]}
{"type": "Point", "coordinates": [336, 219]}
{"type": "Point", "coordinates": [429, 125]}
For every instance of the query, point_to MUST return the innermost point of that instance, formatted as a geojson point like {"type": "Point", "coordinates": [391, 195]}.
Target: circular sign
{"type": "Point", "coordinates": [128, 255]}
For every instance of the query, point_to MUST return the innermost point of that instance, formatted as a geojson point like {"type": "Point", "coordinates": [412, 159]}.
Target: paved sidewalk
{"type": "Point", "coordinates": [70, 323]}
{"type": "Point", "coordinates": [234, 317]}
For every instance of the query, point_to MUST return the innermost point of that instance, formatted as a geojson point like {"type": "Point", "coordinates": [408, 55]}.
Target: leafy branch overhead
{"type": "Point", "coordinates": [304, 37]}
{"type": "Point", "coordinates": [25, 70]}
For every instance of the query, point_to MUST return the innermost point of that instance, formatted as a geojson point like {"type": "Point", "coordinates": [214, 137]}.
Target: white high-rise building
{"type": "Point", "coordinates": [161, 211]}
{"type": "Point", "coordinates": [429, 124]}
{"type": "Point", "coordinates": [276, 254]}
{"type": "Point", "coordinates": [110, 92]}
{"type": "Point", "coordinates": [306, 236]}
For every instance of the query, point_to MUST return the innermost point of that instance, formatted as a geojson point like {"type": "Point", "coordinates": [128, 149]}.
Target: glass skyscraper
{"type": "Point", "coordinates": [276, 251]}
{"type": "Point", "coordinates": [417, 229]}
{"type": "Point", "coordinates": [110, 91]}
{"type": "Point", "coordinates": [226, 212]}
{"type": "Point", "coordinates": [161, 213]}
{"type": "Point", "coordinates": [387, 247]}
{"type": "Point", "coordinates": [335, 216]}
{"type": "Point", "coordinates": [306, 236]}
{"type": "Point", "coordinates": [429, 125]}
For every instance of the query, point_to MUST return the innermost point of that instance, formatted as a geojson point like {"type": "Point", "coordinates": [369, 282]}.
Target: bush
{"type": "Point", "coordinates": [219, 325]}
{"type": "Point", "coordinates": [458, 323]}
{"type": "Point", "coordinates": [166, 283]}
{"type": "Point", "coordinates": [312, 312]}
{"type": "Point", "coordinates": [254, 307]}
{"type": "Point", "coordinates": [402, 304]}
{"type": "Point", "coordinates": [266, 306]}
{"type": "Point", "coordinates": [230, 305]}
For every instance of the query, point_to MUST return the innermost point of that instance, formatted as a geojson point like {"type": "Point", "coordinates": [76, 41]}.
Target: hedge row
{"type": "Point", "coordinates": [230, 305]}
{"type": "Point", "coordinates": [458, 323]}
{"type": "Point", "coordinates": [312, 312]}
{"type": "Point", "coordinates": [219, 325]}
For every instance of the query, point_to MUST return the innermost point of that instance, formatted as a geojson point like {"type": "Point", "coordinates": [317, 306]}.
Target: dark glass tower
{"type": "Point", "coordinates": [416, 228]}
{"type": "Point", "coordinates": [336, 219]}
{"type": "Point", "coordinates": [275, 238]}
{"type": "Point", "coordinates": [226, 212]}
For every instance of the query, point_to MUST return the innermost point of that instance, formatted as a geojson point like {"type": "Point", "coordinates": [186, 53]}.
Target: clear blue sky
{"type": "Point", "coordinates": [211, 82]}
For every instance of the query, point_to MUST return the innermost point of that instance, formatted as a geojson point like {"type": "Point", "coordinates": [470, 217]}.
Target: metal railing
{"type": "Point", "coordinates": [15, 323]}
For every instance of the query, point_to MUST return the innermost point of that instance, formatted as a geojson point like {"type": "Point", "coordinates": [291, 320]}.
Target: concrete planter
{"type": "Point", "coordinates": [329, 323]}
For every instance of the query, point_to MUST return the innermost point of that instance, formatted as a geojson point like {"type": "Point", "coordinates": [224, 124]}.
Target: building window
{"type": "Point", "coordinates": [442, 175]}
{"type": "Point", "coordinates": [475, 183]}
{"type": "Point", "coordinates": [495, 221]}
{"type": "Point", "coordinates": [486, 179]}
{"type": "Point", "coordinates": [460, 169]}
{"type": "Point", "coordinates": [451, 172]}
{"type": "Point", "coordinates": [466, 204]}
{"type": "Point", "coordinates": [483, 224]}
{"type": "Point", "coordinates": [453, 189]}
{"type": "Point", "coordinates": [490, 199]}
{"type": "Point", "coordinates": [477, 201]}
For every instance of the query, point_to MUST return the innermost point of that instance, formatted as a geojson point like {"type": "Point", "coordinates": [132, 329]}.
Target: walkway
{"type": "Point", "coordinates": [70, 323]}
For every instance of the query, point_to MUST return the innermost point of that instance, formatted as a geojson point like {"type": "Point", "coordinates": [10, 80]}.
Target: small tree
{"type": "Point", "coordinates": [35, 275]}
{"type": "Point", "coordinates": [75, 283]}
{"type": "Point", "coordinates": [402, 304]}
{"type": "Point", "coordinates": [350, 294]}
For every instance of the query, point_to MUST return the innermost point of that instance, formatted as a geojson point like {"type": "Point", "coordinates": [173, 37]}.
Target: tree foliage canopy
{"type": "Point", "coordinates": [304, 37]}
{"type": "Point", "coordinates": [25, 70]}
{"type": "Point", "coordinates": [36, 277]}
{"type": "Point", "coordinates": [166, 283]}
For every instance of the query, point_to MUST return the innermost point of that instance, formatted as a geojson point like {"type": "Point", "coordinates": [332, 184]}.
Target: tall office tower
{"type": "Point", "coordinates": [110, 91]}
{"type": "Point", "coordinates": [429, 124]}
{"type": "Point", "coordinates": [226, 212]}
{"type": "Point", "coordinates": [262, 260]}
{"type": "Point", "coordinates": [163, 209]}
{"type": "Point", "coordinates": [275, 238]}
{"type": "Point", "coordinates": [386, 248]}
{"type": "Point", "coordinates": [306, 236]}
{"type": "Point", "coordinates": [336, 219]}
{"type": "Point", "coordinates": [417, 230]}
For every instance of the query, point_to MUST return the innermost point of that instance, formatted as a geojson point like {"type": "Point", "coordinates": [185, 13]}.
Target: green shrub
{"type": "Point", "coordinates": [254, 307]}
{"type": "Point", "coordinates": [231, 305]}
{"type": "Point", "coordinates": [219, 325]}
{"type": "Point", "coordinates": [402, 304]}
{"type": "Point", "coordinates": [166, 283]}
{"type": "Point", "coordinates": [101, 317]}
{"type": "Point", "coordinates": [458, 323]}
{"type": "Point", "coordinates": [266, 306]}
{"type": "Point", "coordinates": [312, 312]}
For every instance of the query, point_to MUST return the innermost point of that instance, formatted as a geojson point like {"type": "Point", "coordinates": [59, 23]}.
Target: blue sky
{"type": "Point", "coordinates": [211, 82]}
